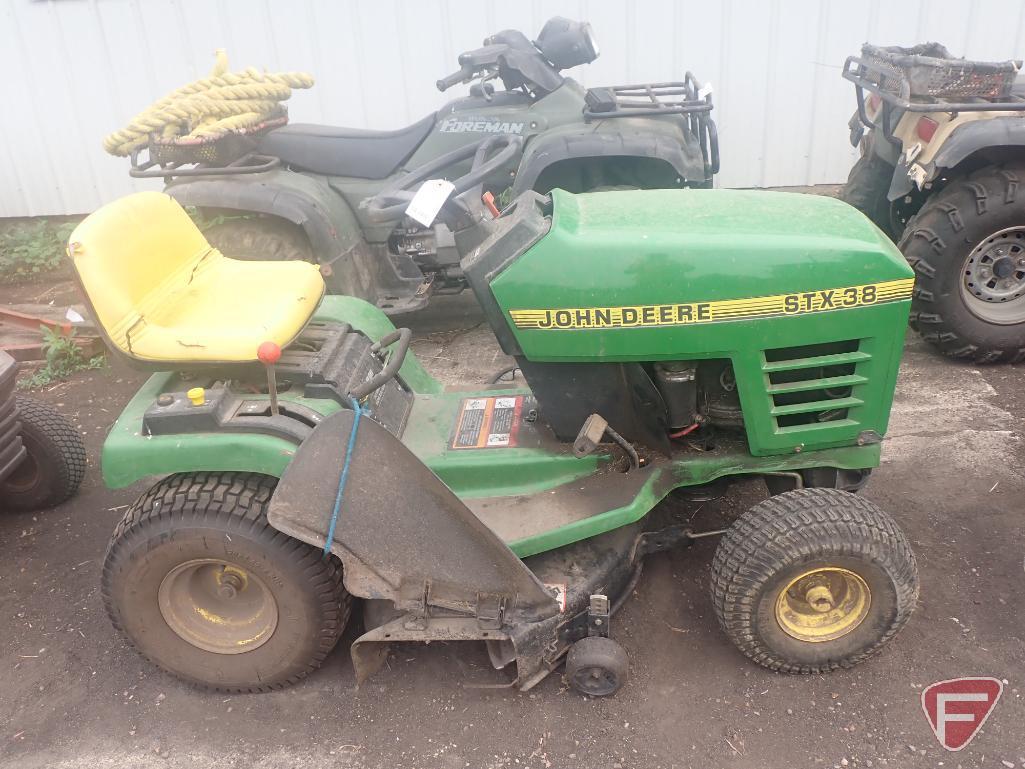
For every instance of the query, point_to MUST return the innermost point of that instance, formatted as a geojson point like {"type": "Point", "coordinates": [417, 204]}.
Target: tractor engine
{"type": "Point", "coordinates": [776, 316]}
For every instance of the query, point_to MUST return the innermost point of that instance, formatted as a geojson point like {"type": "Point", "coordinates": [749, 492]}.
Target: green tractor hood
{"type": "Point", "coordinates": [806, 298]}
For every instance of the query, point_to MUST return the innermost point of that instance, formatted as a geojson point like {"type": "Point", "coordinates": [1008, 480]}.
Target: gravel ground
{"type": "Point", "coordinates": [73, 695]}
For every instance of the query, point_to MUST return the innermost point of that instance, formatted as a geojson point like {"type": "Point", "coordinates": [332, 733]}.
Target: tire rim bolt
{"type": "Point", "coordinates": [819, 598]}
{"type": "Point", "coordinates": [230, 585]}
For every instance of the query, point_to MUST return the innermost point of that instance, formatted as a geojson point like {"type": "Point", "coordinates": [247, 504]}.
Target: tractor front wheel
{"type": "Point", "coordinates": [204, 587]}
{"type": "Point", "coordinates": [813, 580]}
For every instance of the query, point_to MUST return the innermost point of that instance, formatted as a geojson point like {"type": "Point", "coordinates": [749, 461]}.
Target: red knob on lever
{"type": "Point", "coordinates": [269, 353]}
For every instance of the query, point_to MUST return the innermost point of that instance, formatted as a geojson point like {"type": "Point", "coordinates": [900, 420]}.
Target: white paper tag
{"type": "Point", "coordinates": [428, 200]}
{"type": "Point", "coordinates": [73, 316]}
{"type": "Point", "coordinates": [705, 90]}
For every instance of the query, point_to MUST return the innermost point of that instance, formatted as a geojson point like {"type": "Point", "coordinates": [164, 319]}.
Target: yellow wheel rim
{"type": "Point", "coordinates": [823, 604]}
{"type": "Point", "coordinates": [217, 606]}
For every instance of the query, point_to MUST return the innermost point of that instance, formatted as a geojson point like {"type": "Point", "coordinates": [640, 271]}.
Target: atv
{"type": "Point", "coordinates": [296, 192]}
{"type": "Point", "coordinates": [669, 340]}
{"type": "Point", "coordinates": [941, 171]}
{"type": "Point", "coordinates": [42, 457]}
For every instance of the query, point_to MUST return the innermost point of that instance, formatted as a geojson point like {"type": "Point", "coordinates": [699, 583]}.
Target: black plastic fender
{"type": "Point", "coordinates": [974, 136]}
{"type": "Point", "coordinates": [302, 199]}
{"type": "Point", "coordinates": [619, 137]}
{"type": "Point", "coordinates": [401, 533]}
{"type": "Point", "coordinates": [994, 133]}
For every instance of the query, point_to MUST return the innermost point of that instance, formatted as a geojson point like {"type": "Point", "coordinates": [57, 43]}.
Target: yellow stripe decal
{"type": "Point", "coordinates": [688, 313]}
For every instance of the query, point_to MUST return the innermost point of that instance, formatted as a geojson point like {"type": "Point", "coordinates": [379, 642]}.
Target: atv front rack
{"type": "Point", "coordinates": [654, 99]}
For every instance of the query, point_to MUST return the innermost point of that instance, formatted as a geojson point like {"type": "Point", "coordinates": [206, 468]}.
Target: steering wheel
{"type": "Point", "coordinates": [391, 204]}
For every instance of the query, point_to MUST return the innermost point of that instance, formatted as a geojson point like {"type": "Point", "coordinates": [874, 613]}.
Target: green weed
{"type": "Point", "coordinates": [63, 358]}
{"type": "Point", "coordinates": [27, 250]}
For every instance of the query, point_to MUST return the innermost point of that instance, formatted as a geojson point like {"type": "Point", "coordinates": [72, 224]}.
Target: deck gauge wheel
{"type": "Point", "coordinates": [597, 666]}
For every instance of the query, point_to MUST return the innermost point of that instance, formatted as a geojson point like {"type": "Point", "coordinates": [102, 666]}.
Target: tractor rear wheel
{"type": "Point", "coordinates": [54, 464]}
{"type": "Point", "coordinates": [204, 587]}
{"type": "Point", "coordinates": [813, 580]}
{"type": "Point", "coordinates": [967, 247]}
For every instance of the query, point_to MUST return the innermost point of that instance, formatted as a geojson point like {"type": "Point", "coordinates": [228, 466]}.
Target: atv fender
{"type": "Point", "coordinates": [303, 199]}
{"type": "Point", "coordinates": [613, 138]}
{"type": "Point", "coordinates": [402, 535]}
{"type": "Point", "coordinates": [1002, 135]}
{"type": "Point", "coordinates": [977, 135]}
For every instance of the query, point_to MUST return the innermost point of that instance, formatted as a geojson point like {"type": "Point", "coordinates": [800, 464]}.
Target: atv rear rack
{"type": "Point", "coordinates": [655, 99]}
{"type": "Point", "coordinates": [870, 76]}
{"type": "Point", "coordinates": [151, 168]}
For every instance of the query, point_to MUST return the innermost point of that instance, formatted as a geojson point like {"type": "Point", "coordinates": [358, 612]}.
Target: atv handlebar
{"type": "Point", "coordinates": [391, 204]}
{"type": "Point", "coordinates": [454, 79]}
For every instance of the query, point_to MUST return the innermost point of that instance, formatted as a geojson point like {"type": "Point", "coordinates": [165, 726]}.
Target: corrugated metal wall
{"type": "Point", "coordinates": [77, 69]}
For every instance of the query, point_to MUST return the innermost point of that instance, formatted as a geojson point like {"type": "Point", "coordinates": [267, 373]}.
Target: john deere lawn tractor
{"type": "Point", "coordinates": [942, 169]}
{"type": "Point", "coordinates": [669, 339]}
{"type": "Point", "coordinates": [271, 191]}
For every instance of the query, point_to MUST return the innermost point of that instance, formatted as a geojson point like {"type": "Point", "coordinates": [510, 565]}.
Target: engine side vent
{"type": "Point", "coordinates": [815, 385]}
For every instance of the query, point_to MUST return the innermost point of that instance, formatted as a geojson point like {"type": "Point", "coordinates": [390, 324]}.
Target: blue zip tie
{"type": "Point", "coordinates": [357, 412]}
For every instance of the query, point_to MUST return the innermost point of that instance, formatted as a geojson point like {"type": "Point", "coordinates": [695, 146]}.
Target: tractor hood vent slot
{"type": "Point", "coordinates": [814, 385]}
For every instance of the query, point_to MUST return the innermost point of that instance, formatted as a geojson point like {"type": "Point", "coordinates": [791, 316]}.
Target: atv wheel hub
{"type": "Point", "coordinates": [217, 607]}
{"type": "Point", "coordinates": [823, 604]}
{"type": "Point", "coordinates": [994, 278]}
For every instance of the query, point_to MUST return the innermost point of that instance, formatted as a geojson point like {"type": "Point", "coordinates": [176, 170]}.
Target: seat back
{"type": "Point", "coordinates": [124, 252]}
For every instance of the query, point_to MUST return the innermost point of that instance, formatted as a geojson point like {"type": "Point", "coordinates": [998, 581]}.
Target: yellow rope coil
{"type": "Point", "coordinates": [211, 107]}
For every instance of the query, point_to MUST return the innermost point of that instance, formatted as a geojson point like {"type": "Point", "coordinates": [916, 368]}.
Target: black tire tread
{"type": "Point", "coordinates": [231, 500]}
{"type": "Point", "coordinates": [866, 188]}
{"type": "Point", "coordinates": [64, 450]}
{"type": "Point", "coordinates": [785, 528]}
{"type": "Point", "coordinates": [260, 238]}
{"type": "Point", "coordinates": [936, 229]}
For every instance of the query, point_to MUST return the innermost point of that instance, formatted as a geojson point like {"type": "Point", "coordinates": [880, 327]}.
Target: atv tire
{"type": "Point", "coordinates": [948, 242]}
{"type": "Point", "coordinates": [54, 464]}
{"type": "Point", "coordinates": [260, 239]}
{"type": "Point", "coordinates": [867, 187]}
{"type": "Point", "coordinates": [813, 580]}
{"type": "Point", "coordinates": [201, 584]}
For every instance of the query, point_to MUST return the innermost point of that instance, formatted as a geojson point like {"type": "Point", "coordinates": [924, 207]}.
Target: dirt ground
{"type": "Point", "coordinates": [72, 694]}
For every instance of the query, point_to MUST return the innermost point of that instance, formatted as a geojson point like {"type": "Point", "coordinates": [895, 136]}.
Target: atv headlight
{"type": "Point", "coordinates": [567, 43]}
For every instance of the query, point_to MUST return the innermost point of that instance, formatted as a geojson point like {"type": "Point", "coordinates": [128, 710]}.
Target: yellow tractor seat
{"type": "Point", "coordinates": [163, 295]}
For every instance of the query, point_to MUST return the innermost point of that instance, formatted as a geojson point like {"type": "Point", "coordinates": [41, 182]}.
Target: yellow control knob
{"type": "Point", "coordinates": [197, 395]}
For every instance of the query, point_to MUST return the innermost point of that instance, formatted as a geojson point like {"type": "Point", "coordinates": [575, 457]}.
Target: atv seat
{"type": "Point", "coordinates": [334, 151]}
{"type": "Point", "coordinates": [163, 296]}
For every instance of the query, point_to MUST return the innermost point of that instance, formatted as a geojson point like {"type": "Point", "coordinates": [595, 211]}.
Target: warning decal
{"type": "Point", "coordinates": [688, 313]}
{"type": "Point", "coordinates": [488, 423]}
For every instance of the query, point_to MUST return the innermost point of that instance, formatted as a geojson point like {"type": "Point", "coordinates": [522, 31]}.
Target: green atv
{"type": "Point", "coordinates": [42, 457]}
{"type": "Point", "coordinates": [296, 193]}
{"type": "Point", "coordinates": [668, 339]}
{"type": "Point", "coordinates": [942, 170]}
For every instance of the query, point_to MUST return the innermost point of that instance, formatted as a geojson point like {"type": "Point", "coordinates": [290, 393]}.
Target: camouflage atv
{"type": "Point", "coordinates": [942, 171]}
{"type": "Point", "coordinates": [296, 194]}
